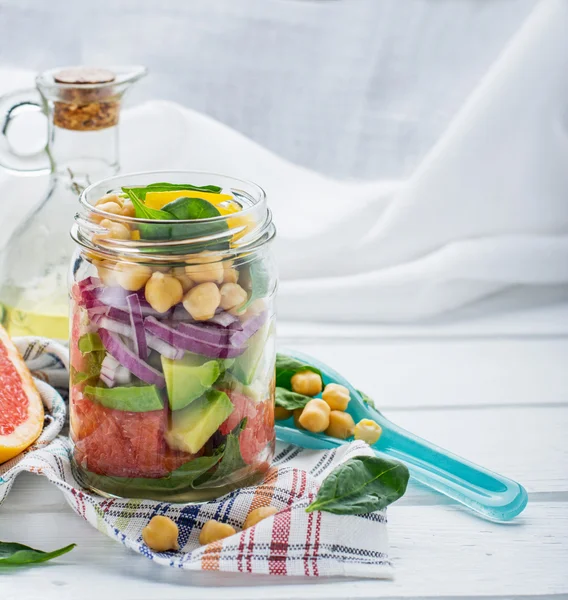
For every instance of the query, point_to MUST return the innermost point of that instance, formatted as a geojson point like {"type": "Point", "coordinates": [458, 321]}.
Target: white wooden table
{"type": "Point", "coordinates": [499, 401]}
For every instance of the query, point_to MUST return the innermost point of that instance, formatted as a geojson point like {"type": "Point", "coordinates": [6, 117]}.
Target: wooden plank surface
{"type": "Point", "coordinates": [437, 550]}
{"type": "Point", "coordinates": [502, 404]}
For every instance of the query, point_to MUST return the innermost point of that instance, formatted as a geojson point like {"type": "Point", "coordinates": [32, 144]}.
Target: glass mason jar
{"type": "Point", "coordinates": [172, 343]}
{"type": "Point", "coordinates": [82, 106]}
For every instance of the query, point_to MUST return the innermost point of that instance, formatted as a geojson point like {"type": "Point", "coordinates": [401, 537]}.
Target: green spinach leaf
{"type": "Point", "coordinates": [148, 231]}
{"type": "Point", "coordinates": [195, 209]}
{"type": "Point", "coordinates": [258, 276]}
{"type": "Point", "coordinates": [287, 367]}
{"type": "Point", "coordinates": [290, 400]}
{"type": "Point", "coordinates": [93, 361]}
{"type": "Point", "coordinates": [90, 342]}
{"type": "Point", "coordinates": [172, 187]}
{"type": "Point", "coordinates": [179, 480]}
{"type": "Point", "coordinates": [361, 485]}
{"type": "Point", "coordinates": [18, 554]}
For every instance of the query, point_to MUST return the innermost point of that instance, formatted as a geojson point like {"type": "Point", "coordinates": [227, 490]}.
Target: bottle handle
{"type": "Point", "coordinates": [12, 106]}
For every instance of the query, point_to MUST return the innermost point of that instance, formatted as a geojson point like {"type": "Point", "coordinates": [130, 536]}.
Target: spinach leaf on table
{"type": "Point", "coordinates": [361, 485]}
{"type": "Point", "coordinates": [18, 554]}
{"type": "Point", "coordinates": [287, 367]}
{"type": "Point", "coordinates": [290, 400]}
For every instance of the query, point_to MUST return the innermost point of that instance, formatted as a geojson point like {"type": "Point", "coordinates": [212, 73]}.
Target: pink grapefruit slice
{"type": "Point", "coordinates": [21, 409]}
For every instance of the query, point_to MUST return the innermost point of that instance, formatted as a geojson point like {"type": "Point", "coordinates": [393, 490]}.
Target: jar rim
{"type": "Point", "coordinates": [255, 209]}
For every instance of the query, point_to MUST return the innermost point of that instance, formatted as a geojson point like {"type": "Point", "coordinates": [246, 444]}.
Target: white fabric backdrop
{"type": "Point", "coordinates": [485, 211]}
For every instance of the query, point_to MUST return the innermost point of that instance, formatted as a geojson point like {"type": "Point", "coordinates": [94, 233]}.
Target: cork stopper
{"type": "Point", "coordinates": [90, 108]}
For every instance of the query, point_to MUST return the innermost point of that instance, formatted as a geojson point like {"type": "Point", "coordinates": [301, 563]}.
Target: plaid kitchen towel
{"type": "Point", "coordinates": [292, 542]}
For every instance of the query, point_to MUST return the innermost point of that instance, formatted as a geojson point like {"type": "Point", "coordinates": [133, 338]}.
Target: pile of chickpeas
{"type": "Point", "coordinates": [161, 533]}
{"type": "Point", "coordinates": [327, 415]}
{"type": "Point", "coordinates": [202, 286]}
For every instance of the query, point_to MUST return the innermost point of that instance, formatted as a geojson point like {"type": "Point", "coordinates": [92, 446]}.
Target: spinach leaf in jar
{"type": "Point", "coordinates": [255, 277]}
{"type": "Point", "coordinates": [148, 231]}
{"type": "Point", "coordinates": [361, 485]}
{"type": "Point", "coordinates": [172, 187]}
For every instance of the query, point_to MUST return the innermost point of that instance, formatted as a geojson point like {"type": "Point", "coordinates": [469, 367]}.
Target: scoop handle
{"type": "Point", "coordinates": [492, 495]}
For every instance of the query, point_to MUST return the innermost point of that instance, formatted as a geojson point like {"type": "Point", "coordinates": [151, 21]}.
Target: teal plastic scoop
{"type": "Point", "coordinates": [491, 495]}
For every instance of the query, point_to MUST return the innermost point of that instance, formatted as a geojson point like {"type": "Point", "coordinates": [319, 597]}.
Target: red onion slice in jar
{"type": "Point", "coordinates": [163, 348]}
{"type": "Point", "coordinates": [180, 340]}
{"type": "Point", "coordinates": [250, 327]}
{"type": "Point", "coordinates": [137, 324]}
{"type": "Point", "coordinates": [116, 348]}
{"type": "Point", "coordinates": [112, 325]}
{"type": "Point", "coordinates": [203, 333]}
{"type": "Point", "coordinates": [224, 319]}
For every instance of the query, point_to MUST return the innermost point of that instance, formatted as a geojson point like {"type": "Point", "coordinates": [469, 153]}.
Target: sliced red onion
{"type": "Point", "coordinates": [165, 349]}
{"type": "Point", "coordinates": [250, 327]}
{"type": "Point", "coordinates": [180, 340]}
{"type": "Point", "coordinates": [89, 283]}
{"type": "Point", "coordinates": [117, 314]}
{"type": "Point", "coordinates": [203, 333]}
{"type": "Point", "coordinates": [112, 325]}
{"type": "Point", "coordinates": [179, 313]}
{"type": "Point", "coordinates": [108, 380]}
{"type": "Point", "coordinates": [137, 324]}
{"type": "Point", "coordinates": [224, 319]}
{"type": "Point", "coordinates": [96, 308]}
{"type": "Point", "coordinates": [113, 373]}
{"type": "Point", "coordinates": [109, 363]}
{"type": "Point", "coordinates": [116, 348]}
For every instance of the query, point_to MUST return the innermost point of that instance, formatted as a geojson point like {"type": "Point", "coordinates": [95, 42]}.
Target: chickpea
{"type": "Point", "coordinates": [297, 414]}
{"type": "Point", "coordinates": [128, 209]}
{"type": "Point", "coordinates": [315, 416]}
{"type": "Point", "coordinates": [232, 296]}
{"type": "Point", "coordinates": [368, 430]}
{"type": "Point", "coordinates": [341, 425]}
{"type": "Point", "coordinates": [307, 383]}
{"type": "Point", "coordinates": [163, 291]}
{"type": "Point", "coordinates": [281, 414]}
{"type": "Point", "coordinates": [207, 268]}
{"type": "Point", "coordinates": [258, 514]}
{"type": "Point", "coordinates": [109, 198]}
{"type": "Point", "coordinates": [161, 534]}
{"type": "Point", "coordinates": [337, 396]}
{"type": "Point", "coordinates": [112, 208]}
{"type": "Point", "coordinates": [230, 275]}
{"type": "Point", "coordinates": [213, 531]}
{"type": "Point", "coordinates": [131, 276]}
{"type": "Point", "coordinates": [116, 231]}
{"type": "Point", "coordinates": [106, 272]}
{"type": "Point", "coordinates": [202, 301]}
{"type": "Point", "coordinates": [180, 275]}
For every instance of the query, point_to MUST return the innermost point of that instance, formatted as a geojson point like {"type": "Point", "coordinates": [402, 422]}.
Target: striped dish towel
{"type": "Point", "coordinates": [292, 542]}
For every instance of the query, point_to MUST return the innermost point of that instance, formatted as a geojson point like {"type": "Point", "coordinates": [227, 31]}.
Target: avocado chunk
{"type": "Point", "coordinates": [188, 378]}
{"type": "Point", "coordinates": [247, 364]}
{"type": "Point", "coordinates": [132, 399]}
{"type": "Point", "coordinates": [192, 426]}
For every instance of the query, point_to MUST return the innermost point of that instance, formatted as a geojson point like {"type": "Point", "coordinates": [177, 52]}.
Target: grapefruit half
{"type": "Point", "coordinates": [21, 409]}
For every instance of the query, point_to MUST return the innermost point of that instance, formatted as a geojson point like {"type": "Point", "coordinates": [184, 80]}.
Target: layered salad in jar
{"type": "Point", "coordinates": [172, 343]}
